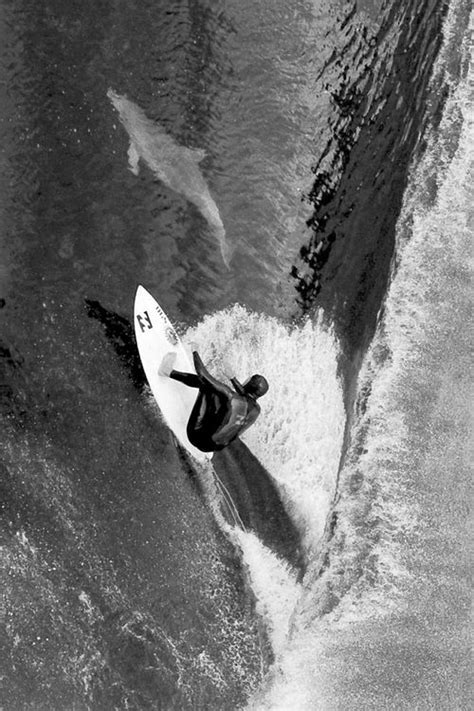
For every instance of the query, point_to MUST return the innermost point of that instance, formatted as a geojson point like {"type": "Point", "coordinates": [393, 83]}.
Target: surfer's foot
{"type": "Point", "coordinates": [166, 365]}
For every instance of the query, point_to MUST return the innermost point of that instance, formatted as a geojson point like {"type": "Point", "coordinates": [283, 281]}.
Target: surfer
{"type": "Point", "coordinates": [220, 414]}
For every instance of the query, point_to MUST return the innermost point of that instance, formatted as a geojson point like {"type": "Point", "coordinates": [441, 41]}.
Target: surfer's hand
{"type": "Point", "coordinates": [238, 387]}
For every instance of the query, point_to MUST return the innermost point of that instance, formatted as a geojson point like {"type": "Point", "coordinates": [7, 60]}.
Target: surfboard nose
{"type": "Point", "coordinates": [141, 292]}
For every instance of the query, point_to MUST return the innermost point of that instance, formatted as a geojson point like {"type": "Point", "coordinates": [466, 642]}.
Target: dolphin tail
{"type": "Point", "coordinates": [211, 212]}
{"type": "Point", "coordinates": [226, 251]}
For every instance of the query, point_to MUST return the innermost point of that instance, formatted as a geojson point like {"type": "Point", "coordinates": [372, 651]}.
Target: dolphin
{"type": "Point", "coordinates": [176, 166]}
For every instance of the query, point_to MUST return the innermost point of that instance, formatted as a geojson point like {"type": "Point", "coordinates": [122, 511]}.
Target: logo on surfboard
{"type": "Point", "coordinates": [171, 336]}
{"type": "Point", "coordinates": [144, 321]}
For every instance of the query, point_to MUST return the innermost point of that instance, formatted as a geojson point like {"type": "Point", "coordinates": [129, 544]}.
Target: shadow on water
{"type": "Point", "coordinates": [119, 333]}
{"type": "Point", "coordinates": [251, 488]}
{"type": "Point", "coordinates": [257, 501]}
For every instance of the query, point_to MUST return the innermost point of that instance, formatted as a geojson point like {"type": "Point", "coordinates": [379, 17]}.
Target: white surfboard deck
{"type": "Point", "coordinates": [155, 338]}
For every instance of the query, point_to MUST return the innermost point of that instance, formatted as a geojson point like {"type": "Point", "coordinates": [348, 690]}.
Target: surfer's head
{"type": "Point", "coordinates": [256, 386]}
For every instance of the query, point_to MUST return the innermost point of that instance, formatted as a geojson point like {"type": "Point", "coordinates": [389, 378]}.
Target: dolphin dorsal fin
{"type": "Point", "coordinates": [197, 154]}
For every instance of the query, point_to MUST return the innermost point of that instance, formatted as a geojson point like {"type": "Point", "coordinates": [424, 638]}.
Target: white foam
{"type": "Point", "coordinates": [274, 585]}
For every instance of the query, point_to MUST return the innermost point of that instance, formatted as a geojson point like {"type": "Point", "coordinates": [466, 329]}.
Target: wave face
{"type": "Point", "coordinates": [375, 622]}
{"type": "Point", "coordinates": [339, 152]}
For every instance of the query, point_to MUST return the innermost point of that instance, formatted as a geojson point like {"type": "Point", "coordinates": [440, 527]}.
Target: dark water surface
{"type": "Point", "coordinates": [112, 597]}
{"type": "Point", "coordinates": [122, 590]}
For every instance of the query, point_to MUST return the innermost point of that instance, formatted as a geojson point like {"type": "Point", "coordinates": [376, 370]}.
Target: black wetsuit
{"type": "Point", "coordinates": [219, 414]}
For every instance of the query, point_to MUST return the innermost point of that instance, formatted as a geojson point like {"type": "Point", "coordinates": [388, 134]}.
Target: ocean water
{"type": "Point", "coordinates": [324, 563]}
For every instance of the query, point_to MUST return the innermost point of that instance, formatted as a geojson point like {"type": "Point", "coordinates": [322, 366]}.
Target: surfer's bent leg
{"type": "Point", "coordinates": [189, 379]}
{"type": "Point", "coordinates": [197, 430]}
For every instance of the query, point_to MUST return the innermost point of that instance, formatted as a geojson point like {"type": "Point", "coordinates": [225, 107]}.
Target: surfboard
{"type": "Point", "coordinates": [156, 337]}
